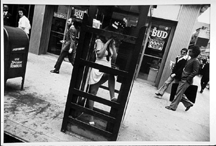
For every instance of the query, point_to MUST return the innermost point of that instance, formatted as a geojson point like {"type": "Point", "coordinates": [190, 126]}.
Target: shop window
{"type": "Point", "coordinates": [57, 29]}
{"type": "Point", "coordinates": [154, 51]}
{"type": "Point", "coordinates": [157, 40]}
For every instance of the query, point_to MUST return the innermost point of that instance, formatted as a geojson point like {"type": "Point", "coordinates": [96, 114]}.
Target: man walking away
{"type": "Point", "coordinates": [69, 47]}
{"type": "Point", "coordinates": [205, 75]}
{"type": "Point", "coordinates": [190, 70]}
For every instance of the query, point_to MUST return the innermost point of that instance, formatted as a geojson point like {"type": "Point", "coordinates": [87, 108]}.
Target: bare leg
{"type": "Point", "coordinates": [93, 90]}
{"type": "Point", "coordinates": [164, 87]}
{"type": "Point", "coordinates": [111, 85]}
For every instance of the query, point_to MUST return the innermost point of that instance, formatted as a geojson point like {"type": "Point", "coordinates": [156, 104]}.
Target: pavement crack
{"type": "Point", "coordinates": [42, 109]}
{"type": "Point", "coordinates": [56, 115]}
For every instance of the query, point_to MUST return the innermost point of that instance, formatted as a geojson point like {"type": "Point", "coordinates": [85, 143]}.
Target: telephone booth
{"type": "Point", "coordinates": [108, 115]}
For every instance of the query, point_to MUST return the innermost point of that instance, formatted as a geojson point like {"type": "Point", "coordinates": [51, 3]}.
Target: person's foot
{"type": "Point", "coordinates": [92, 123]}
{"type": "Point", "coordinates": [54, 71]}
{"type": "Point", "coordinates": [201, 91]}
{"type": "Point", "coordinates": [159, 95]}
{"type": "Point", "coordinates": [187, 108]}
{"type": "Point", "coordinates": [114, 99]}
{"type": "Point", "coordinates": [169, 108]}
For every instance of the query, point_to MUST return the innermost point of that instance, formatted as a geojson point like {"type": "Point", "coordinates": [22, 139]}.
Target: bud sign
{"type": "Point", "coordinates": [159, 33]}
{"type": "Point", "coordinates": [158, 37]}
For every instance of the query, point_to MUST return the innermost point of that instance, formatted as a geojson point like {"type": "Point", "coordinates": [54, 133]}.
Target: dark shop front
{"type": "Point", "coordinates": [59, 25]}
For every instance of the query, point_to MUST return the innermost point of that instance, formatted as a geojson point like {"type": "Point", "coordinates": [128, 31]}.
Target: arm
{"type": "Point", "coordinates": [114, 56]}
{"type": "Point", "coordinates": [179, 67]}
{"type": "Point", "coordinates": [24, 23]}
{"type": "Point", "coordinates": [72, 34]}
{"type": "Point", "coordinates": [101, 49]}
{"type": "Point", "coordinates": [194, 72]}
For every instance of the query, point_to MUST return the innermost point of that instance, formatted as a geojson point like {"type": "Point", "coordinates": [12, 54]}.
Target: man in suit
{"type": "Point", "coordinates": [176, 72]}
{"type": "Point", "coordinates": [6, 15]}
{"type": "Point", "coordinates": [190, 70]}
{"type": "Point", "coordinates": [69, 47]}
{"type": "Point", "coordinates": [205, 75]}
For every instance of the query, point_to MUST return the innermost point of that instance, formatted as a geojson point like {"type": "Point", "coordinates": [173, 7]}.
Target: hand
{"type": "Point", "coordinates": [70, 50]}
{"type": "Point", "coordinates": [173, 75]}
{"type": "Point", "coordinates": [62, 41]}
{"type": "Point", "coordinates": [109, 41]}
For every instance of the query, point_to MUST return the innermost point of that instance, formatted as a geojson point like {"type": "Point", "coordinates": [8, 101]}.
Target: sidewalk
{"type": "Point", "coordinates": [35, 113]}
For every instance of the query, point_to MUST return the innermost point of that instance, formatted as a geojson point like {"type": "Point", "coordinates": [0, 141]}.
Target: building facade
{"type": "Point", "coordinates": [170, 28]}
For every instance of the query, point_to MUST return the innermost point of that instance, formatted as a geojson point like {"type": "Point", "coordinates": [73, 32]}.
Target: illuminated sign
{"type": "Point", "coordinates": [60, 15]}
{"type": "Point", "coordinates": [156, 44]}
{"type": "Point", "coordinates": [79, 14]}
{"type": "Point", "coordinates": [159, 33]}
{"type": "Point", "coordinates": [158, 37]}
{"type": "Point", "coordinates": [18, 49]}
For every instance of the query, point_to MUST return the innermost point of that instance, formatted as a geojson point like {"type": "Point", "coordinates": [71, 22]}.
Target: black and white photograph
{"type": "Point", "coordinates": [107, 73]}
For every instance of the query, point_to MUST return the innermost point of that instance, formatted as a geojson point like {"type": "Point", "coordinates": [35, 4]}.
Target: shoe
{"type": "Point", "coordinates": [114, 99]}
{"type": "Point", "coordinates": [169, 108]}
{"type": "Point", "coordinates": [201, 91]}
{"type": "Point", "coordinates": [159, 95]}
{"type": "Point", "coordinates": [54, 71]}
{"type": "Point", "coordinates": [92, 123]}
{"type": "Point", "coordinates": [187, 108]}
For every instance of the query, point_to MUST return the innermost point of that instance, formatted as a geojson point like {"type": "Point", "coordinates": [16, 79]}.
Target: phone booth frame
{"type": "Point", "coordinates": [78, 96]}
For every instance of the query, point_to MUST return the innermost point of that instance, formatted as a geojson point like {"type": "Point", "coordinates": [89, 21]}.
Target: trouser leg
{"type": "Point", "coordinates": [165, 85]}
{"type": "Point", "coordinates": [183, 85]}
{"type": "Point", "coordinates": [204, 83]}
{"type": "Point", "coordinates": [185, 101]}
{"type": "Point", "coordinates": [60, 59]}
{"type": "Point", "coordinates": [73, 56]}
{"type": "Point", "coordinates": [70, 58]}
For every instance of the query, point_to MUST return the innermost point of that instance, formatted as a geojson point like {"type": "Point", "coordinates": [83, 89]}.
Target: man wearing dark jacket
{"type": "Point", "coordinates": [205, 75]}
{"type": "Point", "coordinates": [190, 70]}
{"type": "Point", "coordinates": [69, 47]}
{"type": "Point", "coordinates": [6, 15]}
{"type": "Point", "coordinates": [176, 72]}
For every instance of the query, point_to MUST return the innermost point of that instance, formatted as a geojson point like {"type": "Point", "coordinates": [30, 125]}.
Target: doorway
{"type": "Point", "coordinates": [59, 25]}
{"type": "Point", "coordinates": [156, 49]}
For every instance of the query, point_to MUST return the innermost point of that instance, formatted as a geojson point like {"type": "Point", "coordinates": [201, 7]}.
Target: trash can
{"type": "Point", "coordinates": [16, 46]}
{"type": "Point", "coordinates": [152, 74]}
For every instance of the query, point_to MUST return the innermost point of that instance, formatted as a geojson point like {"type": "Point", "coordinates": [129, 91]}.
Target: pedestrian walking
{"type": "Point", "coordinates": [23, 23]}
{"type": "Point", "coordinates": [69, 46]}
{"type": "Point", "coordinates": [175, 76]}
{"type": "Point", "coordinates": [205, 75]}
{"type": "Point", "coordinates": [190, 70]}
{"type": "Point", "coordinates": [6, 15]}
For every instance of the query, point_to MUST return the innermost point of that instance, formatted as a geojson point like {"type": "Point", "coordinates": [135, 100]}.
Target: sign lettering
{"type": "Point", "coordinates": [16, 63]}
{"type": "Point", "coordinates": [60, 15]}
{"type": "Point", "coordinates": [18, 49]}
{"type": "Point", "coordinates": [158, 37]}
{"type": "Point", "coordinates": [79, 13]}
{"type": "Point", "coordinates": [159, 33]}
{"type": "Point", "coordinates": [156, 44]}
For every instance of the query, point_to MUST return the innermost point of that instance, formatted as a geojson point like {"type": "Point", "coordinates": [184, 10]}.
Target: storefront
{"type": "Point", "coordinates": [13, 10]}
{"type": "Point", "coordinates": [59, 25]}
{"type": "Point", "coordinates": [169, 30]}
{"type": "Point", "coordinates": [156, 48]}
